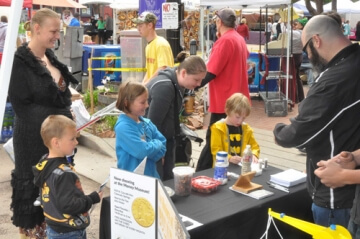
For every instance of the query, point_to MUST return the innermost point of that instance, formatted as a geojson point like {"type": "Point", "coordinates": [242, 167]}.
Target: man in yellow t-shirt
{"type": "Point", "coordinates": [158, 51]}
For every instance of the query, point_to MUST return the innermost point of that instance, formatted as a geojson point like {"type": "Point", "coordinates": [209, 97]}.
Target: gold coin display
{"type": "Point", "coordinates": [143, 212]}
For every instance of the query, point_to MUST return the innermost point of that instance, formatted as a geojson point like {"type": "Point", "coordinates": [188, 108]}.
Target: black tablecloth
{"type": "Point", "coordinates": [227, 214]}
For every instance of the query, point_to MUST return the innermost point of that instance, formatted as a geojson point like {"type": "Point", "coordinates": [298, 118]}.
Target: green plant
{"type": "Point", "coordinates": [112, 89]}
{"type": "Point", "coordinates": [183, 119]}
{"type": "Point", "coordinates": [111, 121]}
{"type": "Point", "coordinates": [87, 99]}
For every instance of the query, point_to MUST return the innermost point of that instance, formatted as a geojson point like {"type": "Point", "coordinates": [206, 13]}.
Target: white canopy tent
{"type": "Point", "coordinates": [343, 6]}
{"type": "Point", "coordinates": [236, 4]}
{"type": "Point", "coordinates": [301, 5]}
{"type": "Point", "coordinates": [357, 5]}
{"type": "Point", "coordinates": [96, 1]}
{"type": "Point", "coordinates": [8, 54]}
{"type": "Point", "coordinates": [243, 3]}
{"type": "Point", "coordinates": [349, 10]}
{"type": "Point", "coordinates": [191, 4]}
{"type": "Point", "coordinates": [125, 4]}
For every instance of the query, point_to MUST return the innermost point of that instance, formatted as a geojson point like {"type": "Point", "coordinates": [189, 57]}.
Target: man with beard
{"type": "Point", "coordinates": [328, 118]}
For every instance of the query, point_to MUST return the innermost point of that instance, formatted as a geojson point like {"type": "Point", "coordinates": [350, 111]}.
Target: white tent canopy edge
{"type": "Point", "coordinates": [95, 1]}
{"type": "Point", "coordinates": [246, 3]}
{"type": "Point", "coordinates": [8, 54]}
{"type": "Point", "coordinates": [253, 3]}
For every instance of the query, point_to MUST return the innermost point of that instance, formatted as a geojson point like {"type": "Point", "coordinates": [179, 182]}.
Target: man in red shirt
{"type": "Point", "coordinates": [227, 73]}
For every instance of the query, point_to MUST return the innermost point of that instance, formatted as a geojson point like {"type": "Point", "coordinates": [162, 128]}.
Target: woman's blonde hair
{"type": "Point", "coordinates": [127, 95]}
{"type": "Point", "coordinates": [39, 17]}
{"type": "Point", "coordinates": [54, 127]}
{"type": "Point", "coordinates": [238, 104]}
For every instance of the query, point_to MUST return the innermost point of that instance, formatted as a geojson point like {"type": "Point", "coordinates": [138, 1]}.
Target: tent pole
{"type": "Point", "coordinates": [8, 54]}
{"type": "Point", "coordinates": [288, 51]}
{"type": "Point", "coordinates": [114, 27]}
{"type": "Point", "coordinates": [266, 30]}
{"type": "Point", "coordinates": [260, 31]}
{"type": "Point", "coordinates": [202, 31]}
{"type": "Point", "coordinates": [207, 24]}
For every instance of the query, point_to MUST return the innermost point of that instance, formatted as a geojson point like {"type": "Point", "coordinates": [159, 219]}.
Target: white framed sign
{"type": "Point", "coordinates": [141, 208]}
{"type": "Point", "coordinates": [170, 15]}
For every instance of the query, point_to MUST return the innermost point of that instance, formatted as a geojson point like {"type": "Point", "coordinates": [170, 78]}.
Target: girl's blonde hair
{"type": "Point", "coordinates": [238, 104]}
{"type": "Point", "coordinates": [39, 17]}
{"type": "Point", "coordinates": [127, 95]}
{"type": "Point", "coordinates": [54, 127]}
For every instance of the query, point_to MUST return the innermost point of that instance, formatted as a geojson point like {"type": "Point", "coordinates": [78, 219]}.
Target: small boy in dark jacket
{"type": "Point", "coordinates": [64, 203]}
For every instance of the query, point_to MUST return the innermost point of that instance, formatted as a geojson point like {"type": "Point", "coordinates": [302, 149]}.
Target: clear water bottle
{"type": "Point", "coordinates": [221, 167]}
{"type": "Point", "coordinates": [246, 160]}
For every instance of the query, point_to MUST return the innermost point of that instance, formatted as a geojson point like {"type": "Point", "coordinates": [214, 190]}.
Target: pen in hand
{"type": "Point", "coordinates": [236, 159]}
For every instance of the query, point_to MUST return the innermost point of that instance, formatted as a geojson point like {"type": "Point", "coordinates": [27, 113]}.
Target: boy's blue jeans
{"type": "Point", "coordinates": [79, 234]}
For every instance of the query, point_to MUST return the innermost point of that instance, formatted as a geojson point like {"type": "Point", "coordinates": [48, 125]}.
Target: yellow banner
{"type": "Point", "coordinates": [118, 69]}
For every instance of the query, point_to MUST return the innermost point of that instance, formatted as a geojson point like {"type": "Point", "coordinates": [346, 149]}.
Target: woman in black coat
{"type": "Point", "coordinates": [38, 88]}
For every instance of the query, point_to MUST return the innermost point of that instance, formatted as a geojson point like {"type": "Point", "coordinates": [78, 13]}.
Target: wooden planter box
{"type": "Point", "coordinates": [113, 86]}
{"type": "Point", "coordinates": [107, 98]}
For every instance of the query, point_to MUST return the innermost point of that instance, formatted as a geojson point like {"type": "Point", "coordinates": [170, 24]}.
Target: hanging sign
{"type": "Point", "coordinates": [170, 15]}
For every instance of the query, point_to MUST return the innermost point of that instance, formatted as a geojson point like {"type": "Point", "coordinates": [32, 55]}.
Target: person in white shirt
{"type": "Point", "coordinates": [268, 30]}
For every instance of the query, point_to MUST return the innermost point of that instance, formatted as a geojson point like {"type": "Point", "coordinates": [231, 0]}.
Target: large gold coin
{"type": "Point", "coordinates": [143, 212]}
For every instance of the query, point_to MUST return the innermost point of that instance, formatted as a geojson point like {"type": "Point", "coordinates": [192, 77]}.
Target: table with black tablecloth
{"type": "Point", "coordinates": [227, 214]}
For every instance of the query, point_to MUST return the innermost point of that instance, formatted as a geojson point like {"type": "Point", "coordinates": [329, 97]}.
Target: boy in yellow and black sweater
{"type": "Point", "coordinates": [64, 203]}
{"type": "Point", "coordinates": [232, 134]}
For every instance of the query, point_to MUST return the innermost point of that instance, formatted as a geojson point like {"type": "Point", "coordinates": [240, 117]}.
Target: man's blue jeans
{"type": "Point", "coordinates": [326, 217]}
{"type": "Point", "coordinates": [354, 230]}
{"type": "Point", "coordinates": [51, 234]}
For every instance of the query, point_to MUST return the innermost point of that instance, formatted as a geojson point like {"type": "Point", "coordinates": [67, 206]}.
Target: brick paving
{"type": "Point", "coordinates": [259, 119]}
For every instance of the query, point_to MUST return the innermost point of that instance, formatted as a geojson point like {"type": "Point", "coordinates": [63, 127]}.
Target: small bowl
{"type": "Point", "coordinates": [204, 184]}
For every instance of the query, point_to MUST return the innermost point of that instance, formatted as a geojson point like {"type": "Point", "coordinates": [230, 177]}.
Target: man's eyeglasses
{"type": "Point", "coordinates": [306, 45]}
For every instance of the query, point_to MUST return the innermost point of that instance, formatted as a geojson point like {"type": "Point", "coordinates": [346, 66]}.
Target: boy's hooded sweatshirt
{"type": "Point", "coordinates": [62, 197]}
